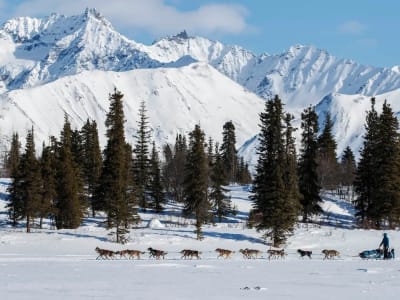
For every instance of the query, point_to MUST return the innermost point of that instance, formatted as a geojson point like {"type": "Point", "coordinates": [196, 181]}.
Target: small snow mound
{"type": "Point", "coordinates": [155, 223]}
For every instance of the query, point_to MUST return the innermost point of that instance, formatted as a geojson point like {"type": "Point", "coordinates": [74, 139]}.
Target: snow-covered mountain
{"type": "Point", "coordinates": [61, 64]}
{"type": "Point", "coordinates": [176, 100]}
{"type": "Point", "coordinates": [36, 51]}
{"type": "Point", "coordinates": [302, 75]}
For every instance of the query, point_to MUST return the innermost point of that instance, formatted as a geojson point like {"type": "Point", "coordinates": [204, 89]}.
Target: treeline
{"type": "Point", "coordinates": [287, 186]}
{"type": "Point", "coordinates": [73, 178]}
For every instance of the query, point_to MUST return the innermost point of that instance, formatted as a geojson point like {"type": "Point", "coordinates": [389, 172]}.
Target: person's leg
{"type": "Point", "coordinates": [385, 252]}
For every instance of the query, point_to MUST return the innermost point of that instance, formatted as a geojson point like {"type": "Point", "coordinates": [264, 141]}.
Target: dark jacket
{"type": "Point", "coordinates": [385, 241]}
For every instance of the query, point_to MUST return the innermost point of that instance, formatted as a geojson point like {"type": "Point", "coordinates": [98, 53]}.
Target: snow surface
{"type": "Point", "coordinates": [61, 264]}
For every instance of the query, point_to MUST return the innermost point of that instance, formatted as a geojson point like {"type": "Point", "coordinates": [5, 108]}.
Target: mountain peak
{"type": "Point", "coordinates": [182, 35]}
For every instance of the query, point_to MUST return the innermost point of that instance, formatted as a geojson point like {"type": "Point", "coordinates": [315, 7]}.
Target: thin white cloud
{"type": "Point", "coordinates": [352, 27]}
{"type": "Point", "coordinates": [154, 16]}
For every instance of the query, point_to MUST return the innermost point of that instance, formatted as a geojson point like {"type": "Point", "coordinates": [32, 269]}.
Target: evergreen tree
{"type": "Point", "coordinates": [92, 160]}
{"type": "Point", "coordinates": [13, 156]}
{"type": "Point", "coordinates": [228, 152]}
{"type": "Point", "coordinates": [12, 165]}
{"type": "Point", "coordinates": [291, 177]}
{"type": "Point", "coordinates": [307, 168]}
{"type": "Point", "coordinates": [243, 174]}
{"type": "Point", "coordinates": [328, 169]}
{"type": "Point", "coordinates": [114, 192]}
{"type": "Point", "coordinates": [156, 190]}
{"type": "Point", "coordinates": [174, 168]}
{"type": "Point", "coordinates": [365, 183]}
{"type": "Point", "coordinates": [141, 162]}
{"type": "Point", "coordinates": [387, 202]}
{"type": "Point", "coordinates": [347, 167]}
{"type": "Point", "coordinates": [30, 182]}
{"type": "Point", "coordinates": [221, 203]}
{"type": "Point", "coordinates": [48, 172]}
{"type": "Point", "coordinates": [68, 204]}
{"type": "Point", "coordinates": [272, 195]}
{"type": "Point", "coordinates": [196, 181]}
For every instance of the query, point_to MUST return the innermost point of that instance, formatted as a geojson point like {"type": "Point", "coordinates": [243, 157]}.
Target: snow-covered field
{"type": "Point", "coordinates": [51, 264]}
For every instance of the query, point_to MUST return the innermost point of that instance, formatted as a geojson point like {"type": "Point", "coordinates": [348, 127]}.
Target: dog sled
{"type": "Point", "coordinates": [376, 254]}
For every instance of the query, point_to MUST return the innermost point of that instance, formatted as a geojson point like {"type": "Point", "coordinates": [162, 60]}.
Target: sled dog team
{"type": "Point", "coordinates": [223, 253]}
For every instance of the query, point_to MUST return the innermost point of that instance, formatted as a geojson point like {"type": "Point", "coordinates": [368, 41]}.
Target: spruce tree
{"type": "Point", "coordinates": [48, 173]}
{"type": "Point", "coordinates": [365, 184]}
{"type": "Point", "coordinates": [229, 153]}
{"type": "Point", "coordinates": [273, 197]}
{"type": "Point", "coordinates": [347, 167]}
{"type": "Point", "coordinates": [307, 167]}
{"type": "Point", "coordinates": [220, 201]}
{"type": "Point", "coordinates": [156, 190]}
{"type": "Point", "coordinates": [13, 156]}
{"type": "Point", "coordinates": [328, 169]}
{"type": "Point", "coordinates": [31, 181]}
{"type": "Point", "coordinates": [115, 192]}
{"type": "Point", "coordinates": [92, 161]}
{"type": "Point", "coordinates": [68, 203]}
{"type": "Point", "coordinates": [388, 173]}
{"type": "Point", "coordinates": [174, 168]}
{"type": "Point", "coordinates": [141, 161]}
{"type": "Point", "coordinates": [196, 181]}
{"type": "Point", "coordinates": [243, 173]}
{"type": "Point", "coordinates": [291, 177]}
{"type": "Point", "coordinates": [12, 165]}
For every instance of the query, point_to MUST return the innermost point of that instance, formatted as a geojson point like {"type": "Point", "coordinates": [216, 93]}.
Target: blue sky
{"type": "Point", "coordinates": [366, 31]}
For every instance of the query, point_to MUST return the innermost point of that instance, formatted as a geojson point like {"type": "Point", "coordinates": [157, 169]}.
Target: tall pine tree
{"type": "Point", "coordinates": [307, 167]}
{"type": "Point", "coordinates": [196, 181]}
{"type": "Point", "coordinates": [115, 192]}
{"type": "Point", "coordinates": [49, 192]}
{"type": "Point", "coordinates": [68, 203]}
{"type": "Point", "coordinates": [229, 153]}
{"type": "Point", "coordinates": [220, 201]}
{"type": "Point", "coordinates": [365, 184]}
{"type": "Point", "coordinates": [12, 165]}
{"type": "Point", "coordinates": [92, 161]}
{"type": "Point", "coordinates": [32, 180]}
{"type": "Point", "coordinates": [141, 161]}
{"type": "Point", "coordinates": [156, 189]}
{"type": "Point", "coordinates": [328, 168]}
{"type": "Point", "coordinates": [388, 173]}
{"type": "Point", "coordinates": [273, 196]}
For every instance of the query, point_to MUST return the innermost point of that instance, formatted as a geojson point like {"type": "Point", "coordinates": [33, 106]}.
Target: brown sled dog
{"type": "Point", "coordinates": [104, 254]}
{"type": "Point", "coordinates": [330, 254]}
{"type": "Point", "coordinates": [250, 253]}
{"type": "Point", "coordinates": [131, 254]}
{"type": "Point", "coordinates": [276, 253]}
{"type": "Point", "coordinates": [224, 253]}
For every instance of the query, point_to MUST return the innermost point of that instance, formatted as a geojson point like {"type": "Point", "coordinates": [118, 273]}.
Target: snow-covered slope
{"type": "Point", "coordinates": [176, 100]}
